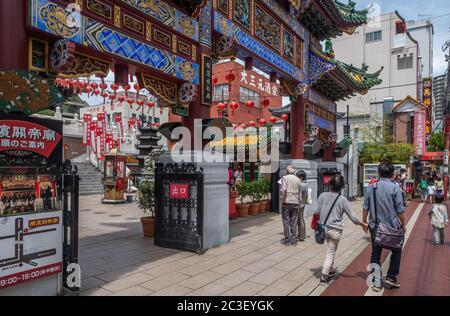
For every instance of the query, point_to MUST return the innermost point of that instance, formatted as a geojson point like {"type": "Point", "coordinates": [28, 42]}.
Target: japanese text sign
{"type": "Point", "coordinates": [28, 136]}
{"type": "Point", "coordinates": [179, 191]}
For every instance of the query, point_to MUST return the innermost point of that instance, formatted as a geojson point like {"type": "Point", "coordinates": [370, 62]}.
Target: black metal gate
{"type": "Point", "coordinates": [179, 219]}
{"type": "Point", "coordinates": [70, 198]}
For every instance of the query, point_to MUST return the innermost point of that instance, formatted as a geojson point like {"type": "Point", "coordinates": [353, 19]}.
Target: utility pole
{"type": "Point", "coordinates": [446, 49]}
{"type": "Point", "coordinates": [347, 133]}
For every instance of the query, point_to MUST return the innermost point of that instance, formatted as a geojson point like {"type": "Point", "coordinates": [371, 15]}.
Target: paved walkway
{"type": "Point", "coordinates": [116, 259]}
{"type": "Point", "coordinates": [424, 269]}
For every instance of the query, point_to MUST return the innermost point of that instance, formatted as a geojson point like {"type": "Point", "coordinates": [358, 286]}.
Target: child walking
{"type": "Point", "coordinates": [439, 220]}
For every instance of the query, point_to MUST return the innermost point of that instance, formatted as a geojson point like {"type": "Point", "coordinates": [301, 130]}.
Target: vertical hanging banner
{"type": "Point", "coordinates": [420, 118]}
{"type": "Point", "coordinates": [93, 141]}
{"type": "Point", "coordinates": [109, 142]}
{"type": "Point", "coordinates": [102, 130]}
{"type": "Point", "coordinates": [207, 87]}
{"type": "Point", "coordinates": [87, 119]}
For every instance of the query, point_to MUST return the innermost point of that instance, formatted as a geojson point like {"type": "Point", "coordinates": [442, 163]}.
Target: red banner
{"type": "Point", "coordinates": [87, 119]}
{"type": "Point", "coordinates": [179, 191]}
{"type": "Point", "coordinates": [27, 136]}
{"type": "Point", "coordinates": [420, 119]}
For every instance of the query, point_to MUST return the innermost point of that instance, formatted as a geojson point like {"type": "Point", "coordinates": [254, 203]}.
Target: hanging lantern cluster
{"type": "Point", "coordinates": [94, 89]}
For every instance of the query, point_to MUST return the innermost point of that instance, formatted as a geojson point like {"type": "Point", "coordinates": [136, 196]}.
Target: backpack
{"type": "Point", "coordinates": [423, 184]}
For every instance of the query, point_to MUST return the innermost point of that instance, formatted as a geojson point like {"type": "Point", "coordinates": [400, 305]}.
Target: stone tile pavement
{"type": "Point", "coordinates": [117, 260]}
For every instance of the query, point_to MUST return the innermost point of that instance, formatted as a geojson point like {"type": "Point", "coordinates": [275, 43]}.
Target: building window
{"type": "Point", "coordinates": [221, 93]}
{"type": "Point", "coordinates": [374, 37]}
{"type": "Point", "coordinates": [247, 94]}
{"type": "Point", "coordinates": [405, 62]}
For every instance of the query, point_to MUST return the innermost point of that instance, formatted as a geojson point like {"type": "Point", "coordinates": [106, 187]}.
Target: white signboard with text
{"type": "Point", "coordinates": [30, 247]}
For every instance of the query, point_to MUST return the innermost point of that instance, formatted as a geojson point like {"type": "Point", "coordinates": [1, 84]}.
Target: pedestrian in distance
{"type": "Point", "coordinates": [384, 203]}
{"type": "Point", "coordinates": [291, 200]}
{"type": "Point", "coordinates": [431, 189]}
{"type": "Point", "coordinates": [301, 214]}
{"type": "Point", "coordinates": [331, 207]}
{"type": "Point", "coordinates": [423, 187]}
{"type": "Point", "coordinates": [439, 186]}
{"type": "Point", "coordinates": [439, 220]}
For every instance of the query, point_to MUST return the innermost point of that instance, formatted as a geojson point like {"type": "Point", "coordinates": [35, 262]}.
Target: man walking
{"type": "Point", "coordinates": [389, 209]}
{"type": "Point", "coordinates": [301, 214]}
{"type": "Point", "coordinates": [290, 198]}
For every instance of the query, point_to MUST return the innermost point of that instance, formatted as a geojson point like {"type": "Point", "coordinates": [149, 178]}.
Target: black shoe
{"type": "Point", "coordinates": [332, 273]}
{"type": "Point", "coordinates": [285, 242]}
{"type": "Point", "coordinates": [294, 243]}
{"type": "Point", "coordinates": [392, 283]}
{"type": "Point", "coordinates": [324, 280]}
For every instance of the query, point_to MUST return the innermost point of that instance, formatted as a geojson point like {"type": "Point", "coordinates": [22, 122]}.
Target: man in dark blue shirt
{"type": "Point", "coordinates": [390, 209]}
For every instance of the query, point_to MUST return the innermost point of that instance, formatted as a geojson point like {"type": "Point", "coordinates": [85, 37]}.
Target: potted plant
{"type": "Point", "coordinates": [242, 191]}
{"type": "Point", "coordinates": [255, 196]}
{"type": "Point", "coordinates": [145, 200]}
{"type": "Point", "coordinates": [265, 191]}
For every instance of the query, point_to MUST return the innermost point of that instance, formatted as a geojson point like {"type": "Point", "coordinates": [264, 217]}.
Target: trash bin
{"type": "Point", "coordinates": [233, 212]}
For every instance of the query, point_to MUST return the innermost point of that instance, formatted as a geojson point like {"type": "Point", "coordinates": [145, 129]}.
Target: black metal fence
{"type": "Point", "coordinates": [70, 199]}
{"type": "Point", "coordinates": [179, 215]}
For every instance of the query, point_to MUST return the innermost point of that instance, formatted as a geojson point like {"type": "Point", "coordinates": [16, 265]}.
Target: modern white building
{"type": "Point", "coordinates": [386, 41]}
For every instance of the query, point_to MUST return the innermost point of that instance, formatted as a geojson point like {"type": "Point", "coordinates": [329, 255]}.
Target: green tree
{"type": "Point", "coordinates": [395, 153]}
{"type": "Point", "coordinates": [436, 142]}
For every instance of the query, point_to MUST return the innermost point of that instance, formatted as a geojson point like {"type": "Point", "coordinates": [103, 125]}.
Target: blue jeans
{"type": "Point", "coordinates": [439, 236]}
{"type": "Point", "coordinates": [396, 256]}
{"type": "Point", "coordinates": [424, 195]}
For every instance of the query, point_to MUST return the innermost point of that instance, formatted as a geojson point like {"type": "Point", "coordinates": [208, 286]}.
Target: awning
{"type": "Point", "coordinates": [433, 156]}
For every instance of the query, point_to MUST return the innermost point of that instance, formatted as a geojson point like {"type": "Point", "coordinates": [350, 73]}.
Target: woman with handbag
{"type": "Point", "coordinates": [331, 207]}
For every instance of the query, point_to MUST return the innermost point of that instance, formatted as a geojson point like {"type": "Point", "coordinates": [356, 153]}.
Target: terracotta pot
{"type": "Point", "coordinates": [254, 208]}
{"type": "Point", "coordinates": [269, 206]}
{"type": "Point", "coordinates": [242, 209]}
{"type": "Point", "coordinates": [264, 206]}
{"type": "Point", "coordinates": [148, 226]}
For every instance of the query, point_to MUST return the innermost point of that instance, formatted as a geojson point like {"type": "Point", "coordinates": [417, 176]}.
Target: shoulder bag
{"type": "Point", "coordinates": [387, 237]}
{"type": "Point", "coordinates": [320, 229]}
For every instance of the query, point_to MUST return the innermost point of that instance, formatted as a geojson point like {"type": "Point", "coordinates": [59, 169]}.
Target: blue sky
{"type": "Point", "coordinates": [411, 9]}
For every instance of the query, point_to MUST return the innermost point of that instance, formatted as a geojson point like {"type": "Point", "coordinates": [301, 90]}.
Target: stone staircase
{"type": "Point", "coordinates": [90, 178]}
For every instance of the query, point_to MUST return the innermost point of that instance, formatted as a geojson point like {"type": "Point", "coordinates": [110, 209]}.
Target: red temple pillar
{"type": "Point", "coordinates": [328, 155]}
{"type": "Point", "coordinates": [13, 35]}
{"type": "Point", "coordinates": [298, 121]}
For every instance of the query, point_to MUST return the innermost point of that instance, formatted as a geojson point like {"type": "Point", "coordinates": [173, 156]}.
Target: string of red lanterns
{"type": "Point", "coordinates": [93, 88]}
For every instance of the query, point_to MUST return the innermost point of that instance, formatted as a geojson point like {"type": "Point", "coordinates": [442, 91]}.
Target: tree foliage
{"type": "Point", "coordinates": [395, 153]}
{"type": "Point", "coordinates": [436, 142]}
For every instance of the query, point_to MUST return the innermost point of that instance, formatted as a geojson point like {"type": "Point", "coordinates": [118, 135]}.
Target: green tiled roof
{"type": "Point", "coordinates": [333, 19]}
{"type": "Point", "coordinates": [349, 14]}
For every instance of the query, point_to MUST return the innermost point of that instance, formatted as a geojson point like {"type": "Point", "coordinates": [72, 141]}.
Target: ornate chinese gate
{"type": "Point", "coordinates": [179, 207]}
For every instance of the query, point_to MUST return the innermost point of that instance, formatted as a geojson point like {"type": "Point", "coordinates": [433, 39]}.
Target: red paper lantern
{"type": "Point", "coordinates": [221, 107]}
{"type": "Point", "coordinates": [243, 126]}
{"type": "Point", "coordinates": [285, 117]}
{"type": "Point", "coordinates": [250, 104]}
{"type": "Point", "coordinates": [88, 90]}
{"type": "Point", "coordinates": [233, 106]}
{"type": "Point", "coordinates": [140, 103]}
{"type": "Point", "coordinates": [265, 102]}
{"type": "Point", "coordinates": [94, 85]}
{"type": "Point", "coordinates": [262, 122]}
{"type": "Point", "coordinates": [215, 80]}
{"type": "Point", "coordinates": [112, 97]}
{"type": "Point", "coordinates": [121, 98]}
{"type": "Point", "coordinates": [114, 87]}
{"type": "Point", "coordinates": [230, 77]}
{"type": "Point", "coordinates": [235, 126]}
{"type": "Point", "coordinates": [137, 87]}
{"type": "Point", "coordinates": [273, 119]}
{"type": "Point", "coordinates": [103, 86]}
{"type": "Point", "coordinates": [150, 105]}
{"type": "Point", "coordinates": [130, 101]}
{"type": "Point", "coordinates": [252, 123]}
{"type": "Point", "coordinates": [105, 95]}
{"type": "Point", "coordinates": [96, 91]}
